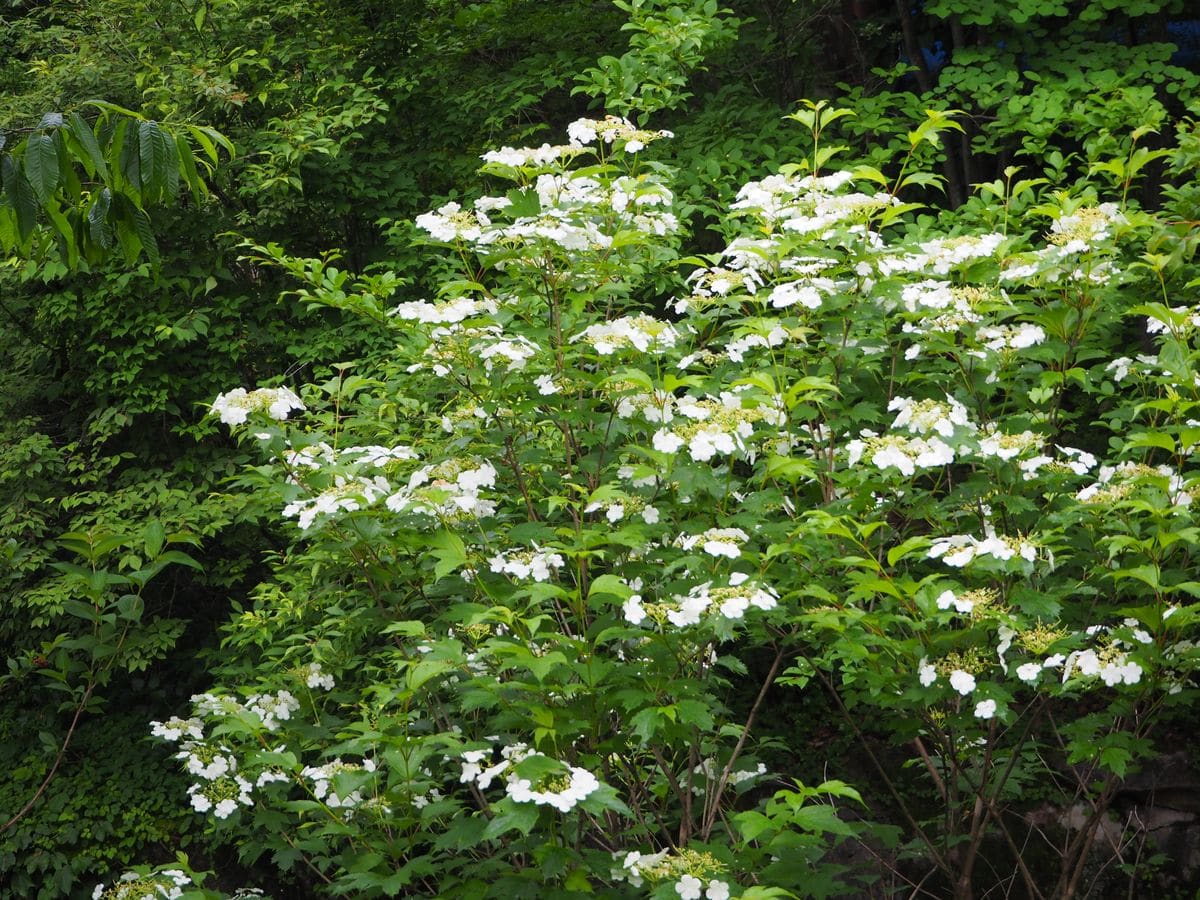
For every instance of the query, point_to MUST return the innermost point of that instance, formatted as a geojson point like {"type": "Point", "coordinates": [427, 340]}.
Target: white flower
{"type": "Point", "coordinates": [927, 674]}
{"type": "Point", "coordinates": [633, 610]}
{"type": "Point", "coordinates": [200, 801]}
{"type": "Point", "coordinates": [688, 887]}
{"type": "Point", "coordinates": [315, 678]}
{"type": "Point", "coordinates": [225, 808]}
{"type": "Point", "coordinates": [666, 441]}
{"type": "Point", "coordinates": [545, 385]}
{"type": "Point", "coordinates": [1029, 672]}
{"type": "Point", "coordinates": [985, 709]}
{"type": "Point", "coordinates": [581, 132]}
{"type": "Point", "coordinates": [962, 604]}
{"type": "Point", "coordinates": [717, 890]}
{"type": "Point", "coordinates": [963, 682]}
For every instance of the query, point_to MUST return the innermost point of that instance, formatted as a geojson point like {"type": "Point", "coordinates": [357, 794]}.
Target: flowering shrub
{"type": "Point", "coordinates": [544, 545]}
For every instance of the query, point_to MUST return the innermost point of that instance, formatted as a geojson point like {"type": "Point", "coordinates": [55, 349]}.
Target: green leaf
{"type": "Point", "coordinates": [93, 159]}
{"type": "Point", "coordinates": [97, 219]}
{"type": "Point", "coordinates": [130, 606]}
{"type": "Point", "coordinates": [819, 818]}
{"type": "Point", "coordinates": [154, 536]}
{"type": "Point", "coordinates": [406, 628]}
{"type": "Point", "coordinates": [752, 824]}
{"type": "Point", "coordinates": [449, 551]}
{"type": "Point", "coordinates": [41, 165]}
{"type": "Point", "coordinates": [609, 585]}
{"type": "Point", "coordinates": [513, 817]}
{"type": "Point", "coordinates": [152, 162]}
{"type": "Point", "coordinates": [1152, 439]}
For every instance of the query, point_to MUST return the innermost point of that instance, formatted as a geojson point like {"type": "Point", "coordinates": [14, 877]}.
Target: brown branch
{"type": "Point", "coordinates": [938, 859]}
{"type": "Point", "coordinates": [62, 751]}
{"type": "Point", "coordinates": [713, 803]}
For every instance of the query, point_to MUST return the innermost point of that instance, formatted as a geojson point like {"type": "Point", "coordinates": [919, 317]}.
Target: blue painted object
{"type": "Point", "coordinates": [1185, 36]}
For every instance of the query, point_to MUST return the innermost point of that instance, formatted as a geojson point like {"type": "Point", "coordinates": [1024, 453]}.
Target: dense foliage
{"type": "Point", "coordinates": [696, 504]}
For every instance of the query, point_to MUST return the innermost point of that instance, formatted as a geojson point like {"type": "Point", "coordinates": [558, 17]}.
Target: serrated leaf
{"type": "Point", "coordinates": [517, 817]}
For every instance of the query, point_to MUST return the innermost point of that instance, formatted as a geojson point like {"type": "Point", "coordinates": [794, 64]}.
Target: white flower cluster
{"type": "Point", "coordinates": [1009, 338]}
{"type": "Point", "coordinates": [1081, 232]}
{"type": "Point", "coordinates": [1078, 462]}
{"type": "Point", "coordinates": [420, 801]}
{"type": "Point", "coordinates": [689, 887]}
{"type": "Point", "coordinates": [710, 285]}
{"type": "Point", "coordinates": [925, 416]}
{"type": "Point", "coordinates": [898, 452]}
{"type": "Point", "coordinates": [1179, 320]}
{"type": "Point", "coordinates": [711, 773]}
{"type": "Point", "coordinates": [175, 728]}
{"type": "Point", "coordinates": [563, 792]}
{"type": "Point", "coordinates": [347, 494]}
{"type": "Point", "coordinates": [522, 564]}
{"type": "Point", "coordinates": [688, 870]}
{"type": "Point", "coordinates": [717, 427]}
{"type": "Point", "coordinates": [1123, 365]}
{"type": "Point", "coordinates": [167, 884]}
{"type": "Point", "coordinates": [576, 210]}
{"type": "Point", "coordinates": [448, 313]}
{"type": "Point", "coordinates": [1005, 446]}
{"type": "Point", "coordinates": [807, 293]}
{"type": "Point", "coordinates": [808, 204]}
{"type": "Point", "coordinates": [452, 223]}
{"type": "Point", "coordinates": [611, 130]}
{"type": "Point", "coordinates": [1113, 668]}
{"type": "Point", "coordinates": [518, 157]}
{"type": "Point", "coordinates": [235, 407]}
{"type": "Point", "coordinates": [643, 333]}
{"type": "Point", "coordinates": [941, 255]}
{"type": "Point", "coordinates": [963, 682]}
{"type": "Point", "coordinates": [1116, 482]}
{"type": "Point", "coordinates": [962, 602]}
{"type": "Point", "coordinates": [1111, 662]}
{"type": "Point", "coordinates": [316, 679]}
{"type": "Point", "coordinates": [456, 345]}
{"type": "Point", "coordinates": [272, 709]}
{"type": "Point", "coordinates": [737, 348]}
{"type": "Point", "coordinates": [448, 490]}
{"type": "Point", "coordinates": [959, 550]}
{"type": "Point", "coordinates": [1077, 232]}
{"type": "Point", "coordinates": [725, 542]}
{"type": "Point", "coordinates": [658, 406]}
{"type": "Point", "coordinates": [929, 420]}
{"type": "Point", "coordinates": [377, 456]}
{"type": "Point", "coordinates": [615, 509]}
{"type": "Point", "coordinates": [509, 352]}
{"type": "Point", "coordinates": [322, 777]}
{"type": "Point", "coordinates": [222, 796]}
{"type": "Point", "coordinates": [921, 296]}
{"type": "Point", "coordinates": [206, 761]}
{"type": "Point", "coordinates": [731, 602]}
